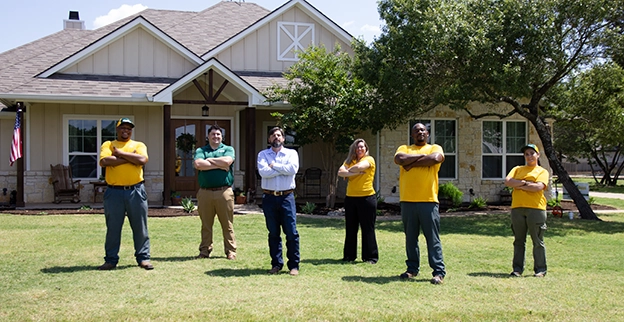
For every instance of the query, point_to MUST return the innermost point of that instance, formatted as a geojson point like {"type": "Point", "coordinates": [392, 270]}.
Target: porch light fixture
{"type": "Point", "coordinates": [205, 108]}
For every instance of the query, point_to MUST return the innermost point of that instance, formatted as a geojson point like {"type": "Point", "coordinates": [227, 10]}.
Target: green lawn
{"type": "Point", "coordinates": [47, 272]}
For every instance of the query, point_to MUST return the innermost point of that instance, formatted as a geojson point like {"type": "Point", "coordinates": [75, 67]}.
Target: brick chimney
{"type": "Point", "coordinates": [73, 22]}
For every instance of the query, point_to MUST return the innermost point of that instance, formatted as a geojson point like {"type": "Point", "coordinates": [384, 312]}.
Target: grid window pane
{"type": "Point", "coordinates": [515, 136]}
{"type": "Point", "coordinates": [83, 166]}
{"type": "Point", "coordinates": [444, 133]}
{"type": "Point", "coordinates": [512, 161]}
{"type": "Point", "coordinates": [492, 167]}
{"type": "Point", "coordinates": [447, 169]}
{"type": "Point", "coordinates": [492, 137]}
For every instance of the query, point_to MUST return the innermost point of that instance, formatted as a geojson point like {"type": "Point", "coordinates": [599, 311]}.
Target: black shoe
{"type": "Point", "coordinates": [540, 274]}
{"type": "Point", "coordinates": [407, 275]}
{"type": "Point", "coordinates": [515, 274]}
{"type": "Point", "coordinates": [371, 261]}
{"type": "Point", "coordinates": [275, 270]}
{"type": "Point", "coordinates": [107, 266]}
{"type": "Point", "coordinates": [345, 259]}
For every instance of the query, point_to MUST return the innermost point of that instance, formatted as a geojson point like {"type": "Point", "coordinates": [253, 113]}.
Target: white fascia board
{"type": "Point", "coordinates": [38, 98]}
{"type": "Point", "coordinates": [116, 34]}
{"type": "Point", "coordinates": [166, 95]}
{"type": "Point", "coordinates": [303, 5]}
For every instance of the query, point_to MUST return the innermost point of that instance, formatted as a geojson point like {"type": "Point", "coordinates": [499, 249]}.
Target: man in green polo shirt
{"type": "Point", "coordinates": [214, 163]}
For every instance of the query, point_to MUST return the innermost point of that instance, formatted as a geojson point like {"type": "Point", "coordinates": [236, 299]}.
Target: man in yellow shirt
{"type": "Point", "coordinates": [418, 193]}
{"type": "Point", "coordinates": [124, 160]}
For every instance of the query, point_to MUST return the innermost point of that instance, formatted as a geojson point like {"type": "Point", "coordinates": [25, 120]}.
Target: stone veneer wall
{"type": "Point", "coordinates": [38, 185]}
{"type": "Point", "coordinates": [468, 157]}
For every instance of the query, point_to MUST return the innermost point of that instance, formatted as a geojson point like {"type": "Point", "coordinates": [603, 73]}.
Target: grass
{"type": "Point", "coordinates": [47, 272]}
{"type": "Point", "coordinates": [596, 187]}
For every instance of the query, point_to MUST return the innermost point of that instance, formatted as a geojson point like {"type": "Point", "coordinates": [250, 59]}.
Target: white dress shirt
{"type": "Point", "coordinates": [281, 176]}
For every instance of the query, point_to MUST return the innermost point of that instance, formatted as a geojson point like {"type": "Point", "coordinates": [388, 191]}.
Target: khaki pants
{"type": "Point", "coordinates": [221, 204]}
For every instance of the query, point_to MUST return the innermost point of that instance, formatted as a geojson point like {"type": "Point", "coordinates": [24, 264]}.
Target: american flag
{"type": "Point", "coordinates": [16, 145]}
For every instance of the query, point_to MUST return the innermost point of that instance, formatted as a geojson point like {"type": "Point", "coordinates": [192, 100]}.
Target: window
{"type": "Point", "coordinates": [444, 134]}
{"type": "Point", "coordinates": [501, 144]}
{"type": "Point", "coordinates": [293, 37]}
{"type": "Point", "coordinates": [84, 138]}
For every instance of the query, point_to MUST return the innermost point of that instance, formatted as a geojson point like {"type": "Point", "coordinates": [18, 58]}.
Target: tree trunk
{"type": "Point", "coordinates": [583, 206]}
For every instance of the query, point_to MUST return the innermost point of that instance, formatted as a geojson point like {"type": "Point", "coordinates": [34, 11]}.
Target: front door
{"type": "Point", "coordinates": [185, 132]}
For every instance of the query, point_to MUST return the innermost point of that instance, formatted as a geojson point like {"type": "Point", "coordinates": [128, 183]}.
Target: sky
{"type": "Point", "coordinates": [27, 20]}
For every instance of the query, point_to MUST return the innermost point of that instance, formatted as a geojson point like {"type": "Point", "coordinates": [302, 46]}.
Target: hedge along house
{"type": "Point", "coordinates": [171, 72]}
{"type": "Point", "coordinates": [176, 73]}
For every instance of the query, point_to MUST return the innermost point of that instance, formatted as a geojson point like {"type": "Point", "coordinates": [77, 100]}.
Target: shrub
{"type": "Point", "coordinates": [188, 205]}
{"type": "Point", "coordinates": [478, 203]}
{"type": "Point", "coordinates": [554, 202]}
{"type": "Point", "coordinates": [308, 208]}
{"type": "Point", "coordinates": [450, 191]}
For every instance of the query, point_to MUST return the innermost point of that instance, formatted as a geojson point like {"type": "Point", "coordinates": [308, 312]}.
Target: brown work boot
{"type": "Point", "coordinates": [106, 266]}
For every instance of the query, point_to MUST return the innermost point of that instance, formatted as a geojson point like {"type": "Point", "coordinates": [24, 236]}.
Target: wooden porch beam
{"type": "Point", "coordinates": [243, 103]}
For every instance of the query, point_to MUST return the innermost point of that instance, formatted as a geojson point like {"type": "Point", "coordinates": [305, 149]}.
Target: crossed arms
{"type": "Point", "coordinates": [409, 161]}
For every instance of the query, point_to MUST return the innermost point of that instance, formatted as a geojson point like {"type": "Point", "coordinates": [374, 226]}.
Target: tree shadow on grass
{"type": "Point", "coordinates": [490, 274]}
{"type": "Point", "coordinates": [384, 279]}
{"type": "Point", "coordinates": [174, 259]}
{"type": "Point", "coordinates": [230, 272]}
{"type": "Point", "coordinates": [74, 269]}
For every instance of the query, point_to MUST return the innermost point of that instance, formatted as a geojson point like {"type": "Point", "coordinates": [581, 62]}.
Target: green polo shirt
{"type": "Point", "coordinates": [216, 177]}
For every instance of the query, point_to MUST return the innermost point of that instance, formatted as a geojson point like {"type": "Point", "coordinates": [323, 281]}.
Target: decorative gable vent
{"type": "Point", "coordinates": [292, 37]}
{"type": "Point", "coordinates": [74, 22]}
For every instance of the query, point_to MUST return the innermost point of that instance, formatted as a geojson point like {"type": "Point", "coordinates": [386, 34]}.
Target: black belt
{"type": "Point", "coordinates": [216, 188]}
{"type": "Point", "coordinates": [277, 193]}
{"type": "Point", "coordinates": [126, 187]}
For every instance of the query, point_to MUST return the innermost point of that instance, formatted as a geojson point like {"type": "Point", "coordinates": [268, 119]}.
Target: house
{"type": "Point", "coordinates": [175, 73]}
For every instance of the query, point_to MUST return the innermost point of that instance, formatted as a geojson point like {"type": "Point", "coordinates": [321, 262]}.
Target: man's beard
{"type": "Point", "coordinates": [276, 144]}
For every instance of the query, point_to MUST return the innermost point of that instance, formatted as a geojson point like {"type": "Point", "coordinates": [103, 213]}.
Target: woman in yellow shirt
{"type": "Point", "coordinates": [528, 210]}
{"type": "Point", "coordinates": [360, 203]}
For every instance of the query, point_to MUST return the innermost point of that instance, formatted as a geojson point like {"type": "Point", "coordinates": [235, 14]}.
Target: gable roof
{"type": "Point", "coordinates": [31, 72]}
{"type": "Point", "coordinates": [301, 4]}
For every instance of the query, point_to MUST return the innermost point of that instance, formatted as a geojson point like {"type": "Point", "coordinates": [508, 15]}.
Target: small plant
{"type": "Point", "coordinates": [85, 207]}
{"type": "Point", "coordinates": [450, 191]}
{"type": "Point", "coordinates": [175, 194]}
{"type": "Point", "coordinates": [380, 198]}
{"type": "Point", "coordinates": [591, 201]}
{"type": "Point", "coordinates": [379, 213]}
{"type": "Point", "coordinates": [478, 203]}
{"type": "Point", "coordinates": [308, 208]}
{"type": "Point", "coordinates": [507, 189]}
{"type": "Point", "coordinates": [188, 205]}
{"type": "Point", "coordinates": [554, 202]}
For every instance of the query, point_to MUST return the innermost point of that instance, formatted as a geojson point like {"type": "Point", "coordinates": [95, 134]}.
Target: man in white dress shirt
{"type": "Point", "coordinates": [278, 166]}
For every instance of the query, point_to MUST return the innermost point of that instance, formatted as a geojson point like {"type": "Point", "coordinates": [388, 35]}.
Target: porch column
{"type": "Point", "coordinates": [250, 162]}
{"type": "Point", "coordinates": [19, 200]}
{"type": "Point", "coordinates": [168, 155]}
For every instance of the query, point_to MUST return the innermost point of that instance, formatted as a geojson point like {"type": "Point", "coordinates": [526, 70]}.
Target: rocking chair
{"type": "Point", "coordinates": [65, 188]}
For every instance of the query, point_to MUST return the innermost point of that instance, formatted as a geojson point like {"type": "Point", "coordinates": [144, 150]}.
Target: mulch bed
{"type": "Point", "coordinates": [387, 210]}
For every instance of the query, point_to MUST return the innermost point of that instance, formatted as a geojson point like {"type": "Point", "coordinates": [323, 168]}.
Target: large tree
{"type": "Point", "coordinates": [590, 121]}
{"type": "Point", "coordinates": [328, 106]}
{"type": "Point", "coordinates": [507, 53]}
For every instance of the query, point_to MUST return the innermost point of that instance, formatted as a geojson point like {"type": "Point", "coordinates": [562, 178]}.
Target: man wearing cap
{"type": "Point", "coordinates": [528, 210]}
{"type": "Point", "coordinates": [124, 160]}
{"type": "Point", "coordinates": [214, 163]}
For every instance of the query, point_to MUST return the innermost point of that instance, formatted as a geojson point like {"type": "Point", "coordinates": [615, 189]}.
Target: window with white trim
{"type": "Point", "coordinates": [293, 37]}
{"type": "Point", "coordinates": [84, 137]}
{"type": "Point", "coordinates": [443, 133]}
{"type": "Point", "coordinates": [501, 144]}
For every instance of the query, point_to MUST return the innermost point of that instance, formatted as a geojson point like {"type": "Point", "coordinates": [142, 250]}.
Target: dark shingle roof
{"type": "Point", "coordinates": [197, 31]}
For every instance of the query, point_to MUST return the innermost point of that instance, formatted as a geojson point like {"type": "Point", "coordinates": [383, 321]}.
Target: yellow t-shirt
{"type": "Point", "coordinates": [362, 185]}
{"type": "Point", "coordinates": [419, 184]}
{"type": "Point", "coordinates": [126, 174]}
{"type": "Point", "coordinates": [527, 199]}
